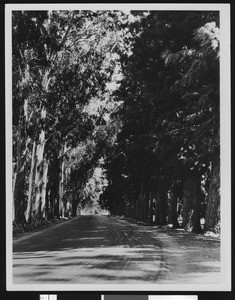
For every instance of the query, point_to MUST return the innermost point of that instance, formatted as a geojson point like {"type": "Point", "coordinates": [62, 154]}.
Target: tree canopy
{"type": "Point", "coordinates": [140, 94]}
{"type": "Point", "coordinates": [170, 117]}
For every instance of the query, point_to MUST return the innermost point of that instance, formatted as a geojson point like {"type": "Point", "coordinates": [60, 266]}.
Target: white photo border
{"type": "Point", "coordinates": [225, 128]}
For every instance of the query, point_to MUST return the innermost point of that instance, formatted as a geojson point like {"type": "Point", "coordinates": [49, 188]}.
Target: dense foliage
{"type": "Point", "coordinates": [166, 162]}
{"type": "Point", "coordinates": [140, 94]}
{"type": "Point", "coordinates": [62, 61]}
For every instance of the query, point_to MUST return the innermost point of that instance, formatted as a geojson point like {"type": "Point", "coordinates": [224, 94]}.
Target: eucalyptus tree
{"type": "Point", "coordinates": [61, 60]}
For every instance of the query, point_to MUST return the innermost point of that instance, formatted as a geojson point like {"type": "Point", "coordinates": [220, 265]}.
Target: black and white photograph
{"type": "Point", "coordinates": [118, 147]}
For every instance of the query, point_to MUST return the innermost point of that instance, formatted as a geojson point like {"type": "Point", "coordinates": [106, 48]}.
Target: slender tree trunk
{"type": "Point", "coordinates": [192, 203]}
{"type": "Point", "coordinates": [150, 207]}
{"type": "Point", "coordinates": [132, 203]}
{"type": "Point", "coordinates": [18, 193]}
{"type": "Point", "coordinates": [52, 191]}
{"type": "Point", "coordinates": [44, 188]}
{"type": "Point", "coordinates": [146, 207]}
{"type": "Point", "coordinates": [19, 197]}
{"type": "Point", "coordinates": [61, 192]}
{"type": "Point", "coordinates": [14, 172]}
{"type": "Point", "coordinates": [157, 209]}
{"type": "Point", "coordinates": [213, 204]}
{"type": "Point", "coordinates": [163, 206]}
{"type": "Point", "coordinates": [132, 208]}
{"type": "Point", "coordinates": [62, 200]}
{"type": "Point", "coordinates": [136, 208]}
{"type": "Point", "coordinates": [47, 205]}
{"type": "Point", "coordinates": [76, 202]}
{"type": "Point", "coordinates": [141, 202]}
{"type": "Point", "coordinates": [39, 175]}
{"type": "Point", "coordinates": [74, 206]}
{"type": "Point", "coordinates": [55, 203]}
{"type": "Point", "coordinates": [31, 184]}
{"type": "Point", "coordinates": [196, 205]}
{"type": "Point", "coordinates": [124, 207]}
{"type": "Point", "coordinates": [121, 206]}
{"type": "Point", "coordinates": [74, 209]}
{"type": "Point", "coordinates": [54, 177]}
{"type": "Point", "coordinates": [13, 189]}
{"type": "Point", "coordinates": [128, 208]}
{"type": "Point", "coordinates": [173, 217]}
{"type": "Point", "coordinates": [40, 166]}
{"type": "Point", "coordinates": [187, 202]}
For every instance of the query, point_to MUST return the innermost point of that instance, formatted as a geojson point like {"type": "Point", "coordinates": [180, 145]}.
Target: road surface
{"type": "Point", "coordinates": [98, 249]}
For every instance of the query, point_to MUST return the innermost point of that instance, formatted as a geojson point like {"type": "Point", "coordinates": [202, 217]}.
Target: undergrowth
{"type": "Point", "coordinates": [19, 229]}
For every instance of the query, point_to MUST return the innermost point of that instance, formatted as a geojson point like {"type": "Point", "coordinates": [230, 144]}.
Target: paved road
{"type": "Point", "coordinates": [97, 249]}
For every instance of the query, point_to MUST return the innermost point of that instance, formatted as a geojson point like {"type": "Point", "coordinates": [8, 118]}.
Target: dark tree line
{"type": "Point", "coordinates": [166, 160]}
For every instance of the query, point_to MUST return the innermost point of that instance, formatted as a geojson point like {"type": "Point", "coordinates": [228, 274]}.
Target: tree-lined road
{"type": "Point", "coordinates": [98, 249]}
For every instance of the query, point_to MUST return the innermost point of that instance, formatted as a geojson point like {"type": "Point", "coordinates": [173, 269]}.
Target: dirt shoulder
{"type": "Point", "coordinates": [189, 257]}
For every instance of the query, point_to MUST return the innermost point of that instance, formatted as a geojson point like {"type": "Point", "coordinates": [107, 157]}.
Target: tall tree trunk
{"type": "Point", "coordinates": [121, 206]}
{"type": "Point", "coordinates": [61, 191]}
{"type": "Point", "coordinates": [74, 209]}
{"type": "Point", "coordinates": [44, 188]}
{"type": "Point", "coordinates": [137, 208]}
{"type": "Point", "coordinates": [187, 202]}
{"type": "Point", "coordinates": [19, 197]}
{"type": "Point", "coordinates": [157, 209]}
{"type": "Point", "coordinates": [13, 189]}
{"type": "Point", "coordinates": [124, 212]}
{"type": "Point", "coordinates": [141, 202]}
{"type": "Point", "coordinates": [192, 202]}
{"type": "Point", "coordinates": [196, 205]}
{"type": "Point", "coordinates": [47, 205]}
{"type": "Point", "coordinates": [56, 205]}
{"type": "Point", "coordinates": [39, 172]}
{"type": "Point", "coordinates": [133, 202]}
{"type": "Point", "coordinates": [39, 175]}
{"type": "Point", "coordinates": [62, 200]}
{"type": "Point", "coordinates": [146, 207]}
{"type": "Point", "coordinates": [52, 187]}
{"type": "Point", "coordinates": [31, 184]}
{"type": "Point", "coordinates": [151, 207]}
{"type": "Point", "coordinates": [173, 216]}
{"type": "Point", "coordinates": [74, 204]}
{"type": "Point", "coordinates": [163, 206]}
{"type": "Point", "coordinates": [127, 208]}
{"type": "Point", "coordinates": [18, 193]}
{"type": "Point", "coordinates": [213, 204]}
{"type": "Point", "coordinates": [132, 207]}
